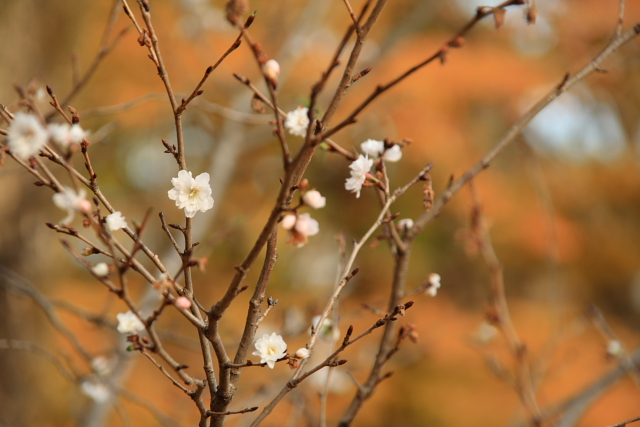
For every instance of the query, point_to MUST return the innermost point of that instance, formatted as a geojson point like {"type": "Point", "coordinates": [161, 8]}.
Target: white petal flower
{"type": "Point", "coordinates": [359, 170]}
{"type": "Point", "coordinates": [302, 353]}
{"type": "Point", "coordinates": [433, 282]}
{"type": "Point", "coordinates": [307, 225]}
{"type": "Point", "coordinates": [128, 323]}
{"type": "Point", "coordinates": [95, 390]}
{"type": "Point", "coordinates": [271, 69]}
{"type": "Point", "coordinates": [64, 134]}
{"type": "Point", "coordinates": [404, 224]}
{"type": "Point", "coordinates": [101, 269]}
{"type": "Point", "coordinates": [328, 332]}
{"type": "Point", "coordinates": [372, 147]}
{"type": "Point", "coordinates": [314, 199]}
{"type": "Point", "coordinates": [71, 202]}
{"type": "Point", "coordinates": [191, 194]}
{"type": "Point", "coordinates": [300, 228]}
{"type": "Point", "coordinates": [375, 148]}
{"type": "Point", "coordinates": [115, 221]}
{"type": "Point", "coordinates": [270, 348]}
{"type": "Point", "coordinates": [297, 121]}
{"type": "Point", "coordinates": [26, 136]}
{"type": "Point", "coordinates": [289, 221]}
{"type": "Point", "coordinates": [393, 154]}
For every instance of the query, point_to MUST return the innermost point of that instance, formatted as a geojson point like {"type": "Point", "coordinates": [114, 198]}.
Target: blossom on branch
{"type": "Point", "coordinates": [72, 202]}
{"type": "Point", "coordinates": [96, 390]}
{"type": "Point", "coordinates": [115, 221]}
{"type": "Point", "coordinates": [359, 170]}
{"type": "Point", "coordinates": [101, 269]}
{"type": "Point", "coordinates": [64, 134]}
{"type": "Point", "coordinates": [314, 199]}
{"type": "Point", "coordinates": [191, 194]}
{"type": "Point", "coordinates": [26, 136]}
{"type": "Point", "coordinates": [271, 69]}
{"type": "Point", "coordinates": [129, 323]}
{"type": "Point", "coordinates": [297, 121]}
{"type": "Point", "coordinates": [270, 348]}
{"type": "Point", "coordinates": [433, 284]}
{"type": "Point", "coordinates": [374, 148]}
{"type": "Point", "coordinates": [300, 228]}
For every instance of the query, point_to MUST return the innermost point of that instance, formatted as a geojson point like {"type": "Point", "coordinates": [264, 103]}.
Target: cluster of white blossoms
{"type": "Point", "coordinates": [362, 165]}
{"type": "Point", "coordinates": [191, 194]}
{"type": "Point", "coordinates": [128, 323]}
{"type": "Point", "coordinates": [375, 149]}
{"type": "Point", "coordinates": [297, 121]}
{"type": "Point", "coordinates": [301, 226]}
{"type": "Point", "coordinates": [71, 201]}
{"type": "Point", "coordinates": [27, 136]}
{"type": "Point", "coordinates": [270, 348]}
{"type": "Point", "coordinates": [115, 221]}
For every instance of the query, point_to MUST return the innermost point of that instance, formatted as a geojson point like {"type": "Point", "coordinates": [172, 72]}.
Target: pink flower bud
{"type": "Point", "coordinates": [182, 303]}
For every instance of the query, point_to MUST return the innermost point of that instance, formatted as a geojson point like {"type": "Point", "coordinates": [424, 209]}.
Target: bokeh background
{"type": "Point", "coordinates": [563, 204]}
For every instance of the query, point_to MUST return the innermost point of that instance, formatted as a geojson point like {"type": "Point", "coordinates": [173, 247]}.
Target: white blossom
{"type": "Point", "coordinates": [300, 228]}
{"type": "Point", "coordinates": [101, 269]}
{"type": "Point", "coordinates": [404, 224]}
{"type": "Point", "coordinates": [191, 194]}
{"type": "Point", "coordinates": [302, 353]}
{"type": "Point", "coordinates": [297, 121]}
{"type": "Point", "coordinates": [271, 69]}
{"type": "Point", "coordinates": [314, 199]}
{"type": "Point", "coordinates": [485, 332]}
{"type": "Point", "coordinates": [72, 202]}
{"type": "Point", "coordinates": [270, 348]}
{"type": "Point", "coordinates": [26, 136]}
{"type": "Point", "coordinates": [96, 390]}
{"type": "Point", "coordinates": [64, 134]}
{"type": "Point", "coordinates": [359, 169]}
{"type": "Point", "coordinates": [128, 323]}
{"type": "Point", "coordinates": [328, 332]}
{"type": "Point", "coordinates": [433, 282]}
{"type": "Point", "coordinates": [115, 221]}
{"type": "Point", "coordinates": [375, 148]}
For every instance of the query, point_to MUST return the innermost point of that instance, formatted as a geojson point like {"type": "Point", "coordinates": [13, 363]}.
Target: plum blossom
{"type": "Point", "coordinates": [191, 194]}
{"type": "Point", "coordinates": [359, 170]}
{"type": "Point", "coordinates": [129, 324]}
{"type": "Point", "coordinates": [300, 228]}
{"type": "Point", "coordinates": [404, 224]}
{"type": "Point", "coordinates": [302, 353]}
{"type": "Point", "coordinates": [72, 202]}
{"type": "Point", "coordinates": [101, 269]}
{"type": "Point", "coordinates": [271, 69]}
{"type": "Point", "coordinates": [433, 284]}
{"type": "Point", "coordinates": [270, 348]}
{"type": "Point", "coordinates": [314, 199]}
{"type": "Point", "coordinates": [328, 332]}
{"type": "Point", "coordinates": [375, 148]}
{"type": "Point", "coordinates": [96, 390]}
{"type": "Point", "coordinates": [64, 134]}
{"type": "Point", "coordinates": [115, 221]}
{"type": "Point", "coordinates": [26, 136]}
{"type": "Point", "coordinates": [297, 121]}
